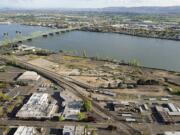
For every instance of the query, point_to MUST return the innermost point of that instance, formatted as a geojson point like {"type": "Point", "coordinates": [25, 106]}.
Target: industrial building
{"type": "Point", "coordinates": [72, 130]}
{"type": "Point", "coordinates": [172, 133]}
{"type": "Point", "coordinates": [68, 130]}
{"type": "Point", "coordinates": [38, 107]}
{"type": "Point", "coordinates": [29, 76]}
{"type": "Point", "coordinates": [22, 130]}
{"type": "Point", "coordinates": [172, 107]}
{"type": "Point", "coordinates": [163, 115]}
{"type": "Point", "coordinates": [72, 109]}
{"type": "Point", "coordinates": [72, 105]}
{"type": "Point", "coordinates": [79, 130]}
{"type": "Point", "coordinates": [26, 48]}
{"type": "Point", "coordinates": [169, 113]}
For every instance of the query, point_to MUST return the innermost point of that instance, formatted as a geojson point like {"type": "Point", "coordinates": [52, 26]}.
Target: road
{"type": "Point", "coordinates": [48, 124]}
{"type": "Point", "coordinates": [16, 91]}
{"type": "Point", "coordinates": [74, 89]}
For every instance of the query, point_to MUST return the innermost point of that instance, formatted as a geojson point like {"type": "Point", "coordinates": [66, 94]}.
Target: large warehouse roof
{"type": "Point", "coordinates": [22, 130]}
{"type": "Point", "coordinates": [29, 75]}
{"type": "Point", "coordinates": [38, 107]}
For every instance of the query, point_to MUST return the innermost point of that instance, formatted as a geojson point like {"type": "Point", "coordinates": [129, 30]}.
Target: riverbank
{"type": "Point", "coordinates": [101, 72]}
{"type": "Point", "coordinates": [149, 52]}
{"type": "Point", "coordinates": [131, 32]}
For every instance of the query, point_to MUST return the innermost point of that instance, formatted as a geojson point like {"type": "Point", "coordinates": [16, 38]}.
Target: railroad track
{"type": "Point", "coordinates": [73, 87]}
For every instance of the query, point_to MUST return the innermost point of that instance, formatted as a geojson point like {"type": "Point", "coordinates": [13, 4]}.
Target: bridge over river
{"type": "Point", "coordinates": [51, 32]}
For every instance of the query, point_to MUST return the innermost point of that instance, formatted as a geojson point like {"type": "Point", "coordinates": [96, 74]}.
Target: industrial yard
{"type": "Point", "coordinates": [89, 67]}
{"type": "Point", "coordinates": [135, 96]}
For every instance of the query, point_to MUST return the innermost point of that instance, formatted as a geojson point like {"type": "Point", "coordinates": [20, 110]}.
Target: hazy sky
{"type": "Point", "coordinates": [84, 3]}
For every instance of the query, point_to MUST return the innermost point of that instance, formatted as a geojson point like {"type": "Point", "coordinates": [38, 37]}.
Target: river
{"type": "Point", "coordinates": [155, 53]}
{"type": "Point", "coordinates": [12, 28]}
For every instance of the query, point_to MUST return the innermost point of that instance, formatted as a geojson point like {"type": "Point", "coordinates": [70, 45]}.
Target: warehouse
{"type": "Point", "coordinates": [72, 105]}
{"type": "Point", "coordinates": [72, 130]}
{"type": "Point", "coordinates": [29, 76]}
{"type": "Point", "coordinates": [172, 107]}
{"type": "Point", "coordinates": [38, 107]}
{"type": "Point", "coordinates": [68, 130]}
{"type": "Point", "coordinates": [163, 115]}
{"type": "Point", "coordinates": [72, 109]}
{"type": "Point", "coordinates": [172, 133]}
{"type": "Point", "coordinates": [22, 130]}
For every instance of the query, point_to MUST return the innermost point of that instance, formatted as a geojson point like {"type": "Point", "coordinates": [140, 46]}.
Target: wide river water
{"type": "Point", "coordinates": [155, 53]}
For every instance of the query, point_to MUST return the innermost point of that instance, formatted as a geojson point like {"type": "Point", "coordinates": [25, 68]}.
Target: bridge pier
{"type": "Point", "coordinates": [20, 42]}
{"type": "Point", "coordinates": [51, 34]}
{"type": "Point", "coordinates": [30, 39]}
{"type": "Point", "coordinates": [45, 35]}
{"type": "Point", "coordinates": [57, 33]}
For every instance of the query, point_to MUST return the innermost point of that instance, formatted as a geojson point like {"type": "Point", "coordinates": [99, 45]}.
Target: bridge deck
{"type": "Point", "coordinates": [30, 37]}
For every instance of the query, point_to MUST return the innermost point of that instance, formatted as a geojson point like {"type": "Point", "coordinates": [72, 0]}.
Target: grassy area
{"type": "Point", "coordinates": [174, 89]}
{"type": "Point", "coordinates": [11, 104]}
{"type": "Point", "coordinates": [69, 58]}
{"type": "Point", "coordinates": [127, 96]}
{"type": "Point", "coordinates": [14, 104]}
{"type": "Point", "coordinates": [3, 85]}
{"type": "Point", "coordinates": [4, 97]}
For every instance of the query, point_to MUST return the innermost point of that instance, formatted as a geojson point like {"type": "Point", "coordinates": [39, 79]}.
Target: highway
{"type": "Point", "coordinates": [61, 81]}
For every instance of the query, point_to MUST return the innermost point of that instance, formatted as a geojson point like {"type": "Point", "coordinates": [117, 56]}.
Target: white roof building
{"type": "Point", "coordinates": [172, 133]}
{"type": "Point", "coordinates": [72, 130]}
{"type": "Point", "coordinates": [22, 130]}
{"type": "Point", "coordinates": [79, 130]}
{"type": "Point", "coordinates": [38, 107]}
{"type": "Point", "coordinates": [172, 107]}
{"type": "Point", "coordinates": [29, 76]}
{"type": "Point", "coordinates": [68, 130]}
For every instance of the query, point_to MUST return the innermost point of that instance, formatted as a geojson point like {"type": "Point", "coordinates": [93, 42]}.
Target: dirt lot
{"type": "Point", "coordinates": [10, 73]}
{"type": "Point", "coordinates": [143, 90]}
{"type": "Point", "coordinates": [97, 73]}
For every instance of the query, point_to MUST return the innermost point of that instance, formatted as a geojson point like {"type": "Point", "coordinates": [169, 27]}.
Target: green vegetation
{"type": "Point", "coordinates": [3, 85]}
{"type": "Point", "coordinates": [173, 89]}
{"type": "Point", "coordinates": [94, 132]}
{"type": "Point", "coordinates": [82, 116]}
{"type": "Point", "coordinates": [88, 105]}
{"type": "Point", "coordinates": [84, 54]}
{"type": "Point", "coordinates": [135, 63]}
{"type": "Point", "coordinates": [14, 103]}
{"type": "Point", "coordinates": [1, 111]}
{"type": "Point", "coordinates": [4, 97]}
{"type": "Point", "coordinates": [61, 118]}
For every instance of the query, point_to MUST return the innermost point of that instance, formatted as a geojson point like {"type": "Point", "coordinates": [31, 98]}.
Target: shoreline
{"type": "Point", "coordinates": [122, 33]}
{"type": "Point", "coordinates": [114, 61]}
{"type": "Point", "coordinates": [125, 63]}
{"type": "Point", "coordinates": [141, 36]}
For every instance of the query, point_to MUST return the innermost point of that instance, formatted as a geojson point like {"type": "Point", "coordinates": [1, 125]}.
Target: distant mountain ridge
{"type": "Point", "coordinates": [171, 9]}
{"type": "Point", "coordinates": [143, 9]}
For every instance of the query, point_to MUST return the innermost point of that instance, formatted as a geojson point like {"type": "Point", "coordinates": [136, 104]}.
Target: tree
{"type": "Point", "coordinates": [81, 116]}
{"type": "Point", "coordinates": [135, 63]}
{"type": "Point", "coordinates": [88, 105]}
{"type": "Point", "coordinates": [61, 118]}
{"type": "Point", "coordinates": [94, 132]}
{"type": "Point", "coordinates": [4, 97]}
{"type": "Point", "coordinates": [84, 54]}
